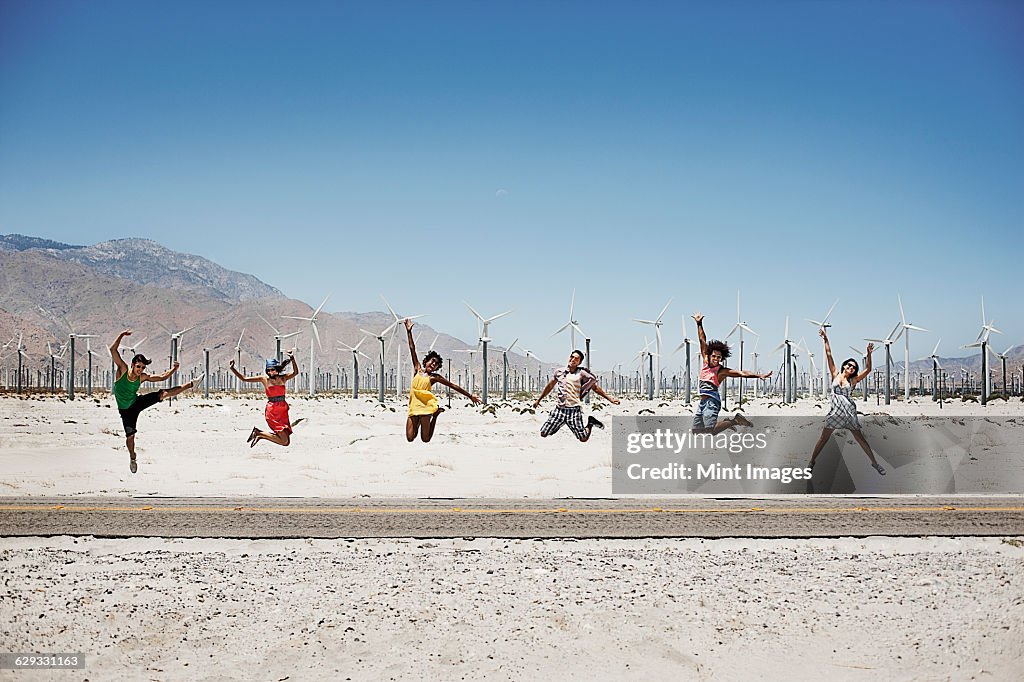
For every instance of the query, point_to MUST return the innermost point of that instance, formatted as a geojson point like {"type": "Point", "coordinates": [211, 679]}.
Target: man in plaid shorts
{"type": "Point", "coordinates": [573, 382]}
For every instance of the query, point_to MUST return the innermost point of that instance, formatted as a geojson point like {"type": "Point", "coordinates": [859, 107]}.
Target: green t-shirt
{"type": "Point", "coordinates": [126, 391]}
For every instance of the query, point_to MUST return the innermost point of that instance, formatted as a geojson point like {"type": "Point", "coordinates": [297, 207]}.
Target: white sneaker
{"type": "Point", "coordinates": [198, 380]}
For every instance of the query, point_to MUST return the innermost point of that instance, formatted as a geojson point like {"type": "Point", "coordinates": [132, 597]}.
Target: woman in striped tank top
{"type": "Point", "coordinates": [705, 419]}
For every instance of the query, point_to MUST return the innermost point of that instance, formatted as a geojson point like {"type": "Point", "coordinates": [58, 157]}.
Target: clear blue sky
{"type": "Point", "coordinates": [505, 153]}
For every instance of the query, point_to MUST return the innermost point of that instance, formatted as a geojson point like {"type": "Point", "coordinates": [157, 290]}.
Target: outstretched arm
{"type": "Point", "coordinates": [412, 347]}
{"type": "Point", "coordinates": [543, 394]}
{"type": "Point", "coordinates": [737, 374]}
{"type": "Point", "coordinates": [162, 377]}
{"type": "Point", "coordinates": [455, 387]}
{"type": "Point", "coordinates": [867, 368]}
{"type": "Point", "coordinates": [115, 353]}
{"type": "Point", "coordinates": [600, 391]}
{"type": "Point", "coordinates": [700, 335]}
{"type": "Point", "coordinates": [242, 377]}
{"type": "Point", "coordinates": [828, 352]}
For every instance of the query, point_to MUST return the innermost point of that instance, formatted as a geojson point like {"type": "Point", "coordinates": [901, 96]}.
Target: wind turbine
{"type": "Point", "coordinates": [54, 357]}
{"type": "Point", "coordinates": [380, 338]}
{"type": "Point", "coordinates": [686, 344]}
{"type": "Point", "coordinates": [864, 363]}
{"type": "Point", "coordinates": [656, 323]}
{"type": "Point", "coordinates": [399, 377]}
{"type": "Point", "coordinates": [934, 357]}
{"type": "Point", "coordinates": [89, 353]}
{"type": "Point", "coordinates": [987, 327]}
{"type": "Point", "coordinates": [238, 358]}
{"type": "Point", "coordinates": [887, 342]}
{"type": "Point", "coordinates": [175, 347]}
{"type": "Point", "coordinates": [485, 322]}
{"type": "Point", "coordinates": [787, 380]}
{"type": "Point", "coordinates": [905, 328]}
{"type": "Point", "coordinates": [824, 324]}
{"type": "Point", "coordinates": [572, 325]}
{"type": "Point", "coordinates": [71, 360]}
{"type": "Point", "coordinates": [278, 338]}
{"type": "Point", "coordinates": [754, 354]}
{"type": "Point", "coordinates": [315, 337]}
{"type": "Point", "coordinates": [504, 365]}
{"type": "Point", "coordinates": [355, 363]}
{"type": "Point", "coordinates": [645, 353]}
{"type": "Point", "coordinates": [810, 358]}
{"type": "Point", "coordinates": [741, 327]}
{"type": "Point", "coordinates": [1002, 356]}
{"type": "Point", "coordinates": [22, 355]}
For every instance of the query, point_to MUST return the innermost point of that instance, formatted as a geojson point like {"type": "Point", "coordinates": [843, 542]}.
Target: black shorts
{"type": "Point", "coordinates": [130, 415]}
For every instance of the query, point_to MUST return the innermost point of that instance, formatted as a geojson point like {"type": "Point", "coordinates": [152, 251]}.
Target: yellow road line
{"type": "Point", "coordinates": [460, 510]}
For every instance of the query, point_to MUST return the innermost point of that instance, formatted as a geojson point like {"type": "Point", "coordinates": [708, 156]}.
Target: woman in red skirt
{"type": "Point", "coordinates": [277, 409]}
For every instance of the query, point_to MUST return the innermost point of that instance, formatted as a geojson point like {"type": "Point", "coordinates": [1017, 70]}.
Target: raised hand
{"type": "Point", "coordinates": [698, 317]}
{"type": "Point", "coordinates": [408, 324]}
{"type": "Point", "coordinates": [871, 348]}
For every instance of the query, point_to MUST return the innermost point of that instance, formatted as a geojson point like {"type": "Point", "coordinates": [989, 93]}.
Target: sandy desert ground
{"type": "Point", "coordinates": [345, 448]}
{"type": "Point", "coordinates": [868, 609]}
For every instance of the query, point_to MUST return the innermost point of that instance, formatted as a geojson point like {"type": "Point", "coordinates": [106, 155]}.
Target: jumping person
{"type": "Point", "coordinates": [705, 419]}
{"type": "Point", "coordinates": [843, 412]}
{"type": "Point", "coordinates": [276, 412]}
{"type": "Point", "coordinates": [423, 407]}
{"type": "Point", "coordinates": [573, 382]}
{"type": "Point", "coordinates": [126, 391]}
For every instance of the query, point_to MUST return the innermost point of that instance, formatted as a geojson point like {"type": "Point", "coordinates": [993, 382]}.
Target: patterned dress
{"type": "Point", "coordinates": [843, 413]}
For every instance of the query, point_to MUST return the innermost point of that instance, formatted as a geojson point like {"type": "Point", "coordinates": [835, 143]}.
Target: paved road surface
{"type": "Point", "coordinates": [576, 518]}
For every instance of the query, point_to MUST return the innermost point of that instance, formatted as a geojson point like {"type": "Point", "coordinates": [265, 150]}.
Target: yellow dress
{"type": "Point", "coordinates": [421, 400]}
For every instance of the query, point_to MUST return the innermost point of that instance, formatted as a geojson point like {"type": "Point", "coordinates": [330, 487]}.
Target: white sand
{"type": "Point", "coordinates": [845, 609]}
{"type": "Point", "coordinates": [346, 448]}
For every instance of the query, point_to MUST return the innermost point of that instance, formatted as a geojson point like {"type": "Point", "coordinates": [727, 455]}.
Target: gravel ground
{"type": "Point", "coordinates": [736, 609]}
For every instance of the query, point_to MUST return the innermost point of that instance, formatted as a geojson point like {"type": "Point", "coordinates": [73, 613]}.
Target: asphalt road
{"type": "Point", "coordinates": [796, 517]}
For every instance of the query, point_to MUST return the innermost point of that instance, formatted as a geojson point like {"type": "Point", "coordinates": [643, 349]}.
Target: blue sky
{"type": "Point", "coordinates": [507, 153]}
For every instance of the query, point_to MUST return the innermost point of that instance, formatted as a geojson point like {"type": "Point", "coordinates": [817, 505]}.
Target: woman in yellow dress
{"type": "Point", "coordinates": [423, 407]}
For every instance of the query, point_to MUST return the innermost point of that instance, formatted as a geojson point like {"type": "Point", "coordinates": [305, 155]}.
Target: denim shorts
{"type": "Point", "coordinates": [706, 416]}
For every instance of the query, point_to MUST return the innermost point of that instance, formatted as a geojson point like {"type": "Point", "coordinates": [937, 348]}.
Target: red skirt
{"type": "Point", "coordinates": [277, 417]}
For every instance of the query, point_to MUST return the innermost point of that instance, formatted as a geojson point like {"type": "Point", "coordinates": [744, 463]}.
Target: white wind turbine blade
{"type": "Point", "coordinates": [238, 346]}
{"type": "Point", "coordinates": [662, 313]}
{"type": "Point", "coordinates": [577, 328]}
{"type": "Point", "coordinates": [160, 324]}
{"type": "Point", "coordinates": [436, 337]}
{"type": "Point", "coordinates": [492, 319]}
{"type": "Point", "coordinates": [321, 306]}
{"type": "Point", "coordinates": [268, 323]}
{"type": "Point", "coordinates": [816, 323]}
{"type": "Point", "coordinates": [512, 345]}
{"type": "Point", "coordinates": [903, 318]}
{"type": "Point", "coordinates": [1008, 349]}
{"type": "Point", "coordinates": [572, 304]}
{"type": "Point", "coordinates": [317, 335]}
{"type": "Point", "coordinates": [478, 315]}
{"type": "Point", "coordinates": [562, 328]}
{"type": "Point", "coordinates": [829, 313]}
{"type": "Point", "coordinates": [915, 328]}
{"type": "Point", "coordinates": [899, 328]}
{"type": "Point", "coordinates": [644, 321]}
{"type": "Point", "coordinates": [288, 336]}
{"type": "Point", "coordinates": [936, 349]}
{"type": "Point", "coordinates": [733, 330]}
{"type": "Point", "coordinates": [743, 326]}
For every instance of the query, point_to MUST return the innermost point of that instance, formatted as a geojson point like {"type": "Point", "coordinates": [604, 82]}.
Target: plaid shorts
{"type": "Point", "coordinates": [570, 416]}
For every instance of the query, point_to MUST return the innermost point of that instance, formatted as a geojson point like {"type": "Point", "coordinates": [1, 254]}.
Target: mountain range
{"type": "Point", "coordinates": [49, 289]}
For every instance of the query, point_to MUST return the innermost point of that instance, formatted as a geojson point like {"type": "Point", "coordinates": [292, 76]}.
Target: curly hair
{"type": "Point", "coordinates": [433, 354]}
{"type": "Point", "coordinates": [720, 346]}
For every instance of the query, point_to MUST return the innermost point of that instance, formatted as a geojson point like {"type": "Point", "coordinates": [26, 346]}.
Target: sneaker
{"type": "Point", "coordinates": [592, 422]}
{"type": "Point", "coordinates": [741, 420]}
{"type": "Point", "coordinates": [133, 466]}
{"type": "Point", "coordinates": [198, 380]}
{"type": "Point", "coordinates": [878, 468]}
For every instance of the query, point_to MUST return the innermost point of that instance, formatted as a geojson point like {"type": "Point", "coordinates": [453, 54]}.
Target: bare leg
{"type": "Point", "coordinates": [282, 438]}
{"type": "Point", "coordinates": [412, 425]}
{"type": "Point", "coordinates": [427, 426]}
{"type": "Point", "coordinates": [826, 433]}
{"type": "Point", "coordinates": [130, 442]}
{"type": "Point", "coordinates": [862, 441]}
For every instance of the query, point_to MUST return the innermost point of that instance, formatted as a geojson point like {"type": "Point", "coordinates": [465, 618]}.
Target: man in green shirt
{"type": "Point", "coordinates": [126, 391]}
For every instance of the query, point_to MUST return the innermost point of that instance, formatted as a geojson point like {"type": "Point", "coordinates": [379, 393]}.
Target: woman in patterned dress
{"type": "Point", "coordinates": [843, 412]}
